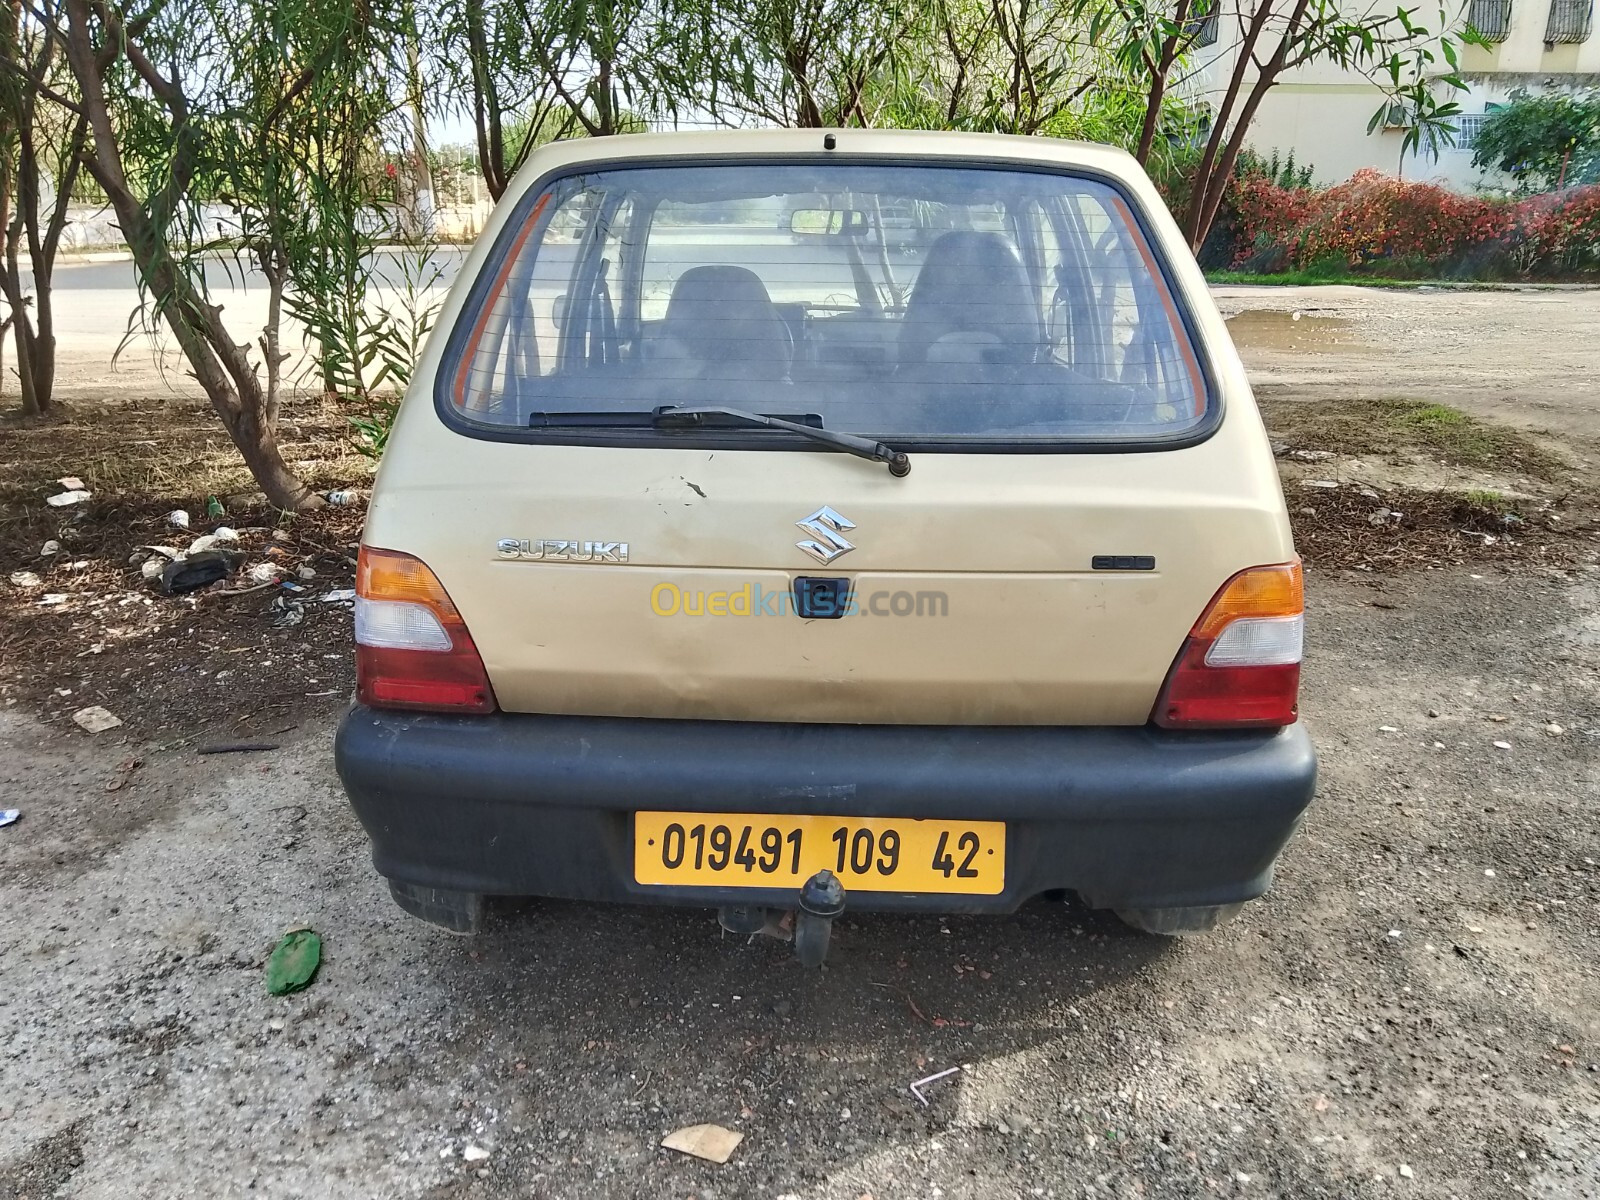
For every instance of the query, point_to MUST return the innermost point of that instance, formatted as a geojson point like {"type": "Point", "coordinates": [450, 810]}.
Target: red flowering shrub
{"type": "Point", "coordinates": [1268, 217]}
{"type": "Point", "coordinates": [1371, 217]}
{"type": "Point", "coordinates": [1559, 232]}
{"type": "Point", "coordinates": [1376, 223]}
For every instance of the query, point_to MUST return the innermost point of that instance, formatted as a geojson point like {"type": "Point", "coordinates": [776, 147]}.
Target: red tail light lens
{"type": "Point", "coordinates": [1240, 665]}
{"type": "Point", "coordinates": [412, 647]}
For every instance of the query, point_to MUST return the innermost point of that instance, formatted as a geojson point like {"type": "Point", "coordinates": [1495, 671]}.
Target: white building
{"type": "Point", "coordinates": [1320, 112]}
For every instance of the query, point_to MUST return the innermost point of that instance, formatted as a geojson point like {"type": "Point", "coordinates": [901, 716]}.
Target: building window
{"type": "Point", "coordinates": [1492, 18]}
{"type": "Point", "coordinates": [1467, 129]}
{"type": "Point", "coordinates": [1570, 21]}
{"type": "Point", "coordinates": [1204, 28]}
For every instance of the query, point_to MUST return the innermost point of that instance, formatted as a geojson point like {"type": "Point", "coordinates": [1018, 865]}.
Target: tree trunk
{"type": "Point", "coordinates": [42, 247]}
{"type": "Point", "coordinates": [1230, 155]}
{"type": "Point", "coordinates": [1203, 214]}
{"type": "Point", "coordinates": [808, 115]}
{"type": "Point", "coordinates": [605, 114]}
{"type": "Point", "coordinates": [1152, 117]}
{"type": "Point", "coordinates": [486, 107]}
{"type": "Point", "coordinates": [11, 288]}
{"type": "Point", "coordinates": [219, 364]}
{"type": "Point", "coordinates": [423, 205]}
{"type": "Point", "coordinates": [44, 352]}
{"type": "Point", "coordinates": [1205, 174]}
{"type": "Point", "coordinates": [1160, 70]}
{"type": "Point", "coordinates": [276, 271]}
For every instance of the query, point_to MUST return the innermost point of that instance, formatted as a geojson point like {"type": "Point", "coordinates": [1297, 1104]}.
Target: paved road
{"type": "Point", "coordinates": [97, 303]}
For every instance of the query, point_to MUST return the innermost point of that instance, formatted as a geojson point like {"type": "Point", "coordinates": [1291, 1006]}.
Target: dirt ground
{"type": "Point", "coordinates": [1414, 1010]}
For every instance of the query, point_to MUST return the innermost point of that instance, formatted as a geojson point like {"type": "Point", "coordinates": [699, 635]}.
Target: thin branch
{"type": "Point", "coordinates": [41, 88]}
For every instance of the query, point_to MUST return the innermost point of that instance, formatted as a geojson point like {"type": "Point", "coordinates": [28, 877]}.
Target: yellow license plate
{"type": "Point", "coordinates": [873, 854]}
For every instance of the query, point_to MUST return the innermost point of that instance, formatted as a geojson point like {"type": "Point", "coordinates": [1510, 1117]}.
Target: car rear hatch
{"type": "Point", "coordinates": [988, 589]}
{"type": "Point", "coordinates": [1031, 569]}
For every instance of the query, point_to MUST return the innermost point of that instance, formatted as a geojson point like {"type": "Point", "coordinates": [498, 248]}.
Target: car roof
{"type": "Point", "coordinates": [900, 144]}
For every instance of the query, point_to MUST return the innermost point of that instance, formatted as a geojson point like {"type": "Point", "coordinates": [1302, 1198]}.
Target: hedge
{"type": "Point", "coordinates": [1386, 226]}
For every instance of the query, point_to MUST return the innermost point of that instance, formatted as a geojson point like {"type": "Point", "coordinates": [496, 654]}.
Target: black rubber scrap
{"type": "Point", "coordinates": [197, 571]}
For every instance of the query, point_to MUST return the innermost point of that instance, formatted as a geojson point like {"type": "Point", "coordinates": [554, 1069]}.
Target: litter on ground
{"type": "Point", "coordinates": [293, 962]}
{"type": "Point", "coordinates": [96, 719]}
{"type": "Point", "coordinates": [710, 1142]}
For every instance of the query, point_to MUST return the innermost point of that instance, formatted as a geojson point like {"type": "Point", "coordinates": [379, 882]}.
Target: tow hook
{"type": "Point", "coordinates": [821, 900]}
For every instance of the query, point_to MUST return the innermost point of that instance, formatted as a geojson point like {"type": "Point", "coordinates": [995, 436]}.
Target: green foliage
{"type": "Point", "coordinates": [1542, 142]}
{"type": "Point", "coordinates": [1002, 66]}
{"type": "Point", "coordinates": [372, 429]}
{"type": "Point", "coordinates": [1281, 171]}
{"type": "Point", "coordinates": [409, 318]}
{"type": "Point", "coordinates": [397, 336]}
{"type": "Point", "coordinates": [286, 104]}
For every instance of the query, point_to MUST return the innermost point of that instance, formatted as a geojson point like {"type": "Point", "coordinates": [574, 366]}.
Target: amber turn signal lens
{"type": "Point", "coordinates": [390, 575]}
{"type": "Point", "coordinates": [1275, 591]}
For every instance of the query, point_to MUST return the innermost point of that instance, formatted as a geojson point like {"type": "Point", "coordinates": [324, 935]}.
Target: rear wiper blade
{"type": "Point", "coordinates": [607, 419]}
{"type": "Point", "coordinates": [670, 416]}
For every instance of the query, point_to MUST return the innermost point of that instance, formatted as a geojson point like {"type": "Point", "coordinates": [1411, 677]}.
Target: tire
{"type": "Point", "coordinates": [1175, 922]}
{"type": "Point", "coordinates": [457, 912]}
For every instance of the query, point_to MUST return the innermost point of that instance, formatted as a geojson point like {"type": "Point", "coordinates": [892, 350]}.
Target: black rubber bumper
{"type": "Point", "coordinates": [518, 804]}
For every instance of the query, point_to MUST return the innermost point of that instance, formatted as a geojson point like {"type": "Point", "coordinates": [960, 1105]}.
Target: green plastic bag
{"type": "Point", "coordinates": [293, 963]}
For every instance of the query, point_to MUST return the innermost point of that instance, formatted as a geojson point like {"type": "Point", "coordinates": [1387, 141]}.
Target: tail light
{"type": "Point", "coordinates": [412, 647]}
{"type": "Point", "coordinates": [1240, 665]}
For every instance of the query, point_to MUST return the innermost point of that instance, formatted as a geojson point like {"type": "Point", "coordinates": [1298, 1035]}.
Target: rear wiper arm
{"type": "Point", "coordinates": [670, 416]}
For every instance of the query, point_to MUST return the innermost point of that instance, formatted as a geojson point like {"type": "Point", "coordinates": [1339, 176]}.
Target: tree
{"type": "Point", "coordinates": [1275, 37]}
{"type": "Point", "coordinates": [530, 71]}
{"type": "Point", "coordinates": [192, 100]}
{"type": "Point", "coordinates": [1003, 66]}
{"type": "Point", "coordinates": [1155, 40]}
{"type": "Point", "coordinates": [809, 65]}
{"type": "Point", "coordinates": [40, 148]}
{"type": "Point", "coordinates": [1543, 142]}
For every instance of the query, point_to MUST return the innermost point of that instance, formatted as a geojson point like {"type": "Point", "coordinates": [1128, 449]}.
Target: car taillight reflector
{"type": "Point", "coordinates": [1258, 642]}
{"type": "Point", "coordinates": [1240, 665]}
{"type": "Point", "coordinates": [399, 625]}
{"type": "Point", "coordinates": [412, 647]}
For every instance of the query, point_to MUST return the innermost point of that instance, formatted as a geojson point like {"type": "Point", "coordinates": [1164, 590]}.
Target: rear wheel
{"type": "Point", "coordinates": [458, 912]}
{"type": "Point", "coordinates": [1173, 922]}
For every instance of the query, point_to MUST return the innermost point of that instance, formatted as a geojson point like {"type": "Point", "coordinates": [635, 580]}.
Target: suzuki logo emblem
{"type": "Point", "coordinates": [826, 528]}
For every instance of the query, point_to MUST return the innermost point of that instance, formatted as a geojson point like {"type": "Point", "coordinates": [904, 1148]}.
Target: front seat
{"type": "Point", "coordinates": [722, 321]}
{"type": "Point", "coordinates": [972, 304]}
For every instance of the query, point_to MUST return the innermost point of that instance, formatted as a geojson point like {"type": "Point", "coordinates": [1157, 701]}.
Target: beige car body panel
{"type": "Point", "coordinates": [1030, 635]}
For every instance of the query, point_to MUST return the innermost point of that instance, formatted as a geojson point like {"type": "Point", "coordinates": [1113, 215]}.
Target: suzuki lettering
{"type": "Point", "coordinates": [556, 550]}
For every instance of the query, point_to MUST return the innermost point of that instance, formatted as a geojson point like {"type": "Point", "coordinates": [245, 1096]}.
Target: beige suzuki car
{"type": "Point", "coordinates": [801, 522]}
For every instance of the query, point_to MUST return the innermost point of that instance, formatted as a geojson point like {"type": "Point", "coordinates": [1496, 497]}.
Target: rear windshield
{"type": "Point", "coordinates": [924, 303]}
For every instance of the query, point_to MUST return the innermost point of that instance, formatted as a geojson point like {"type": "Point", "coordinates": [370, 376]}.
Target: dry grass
{"type": "Point", "coordinates": [1344, 527]}
{"type": "Point", "coordinates": [207, 662]}
{"type": "Point", "coordinates": [174, 448]}
{"type": "Point", "coordinates": [1394, 427]}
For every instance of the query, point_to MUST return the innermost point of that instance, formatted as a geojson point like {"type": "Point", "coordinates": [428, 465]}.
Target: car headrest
{"type": "Point", "coordinates": [723, 315]}
{"type": "Point", "coordinates": [972, 283]}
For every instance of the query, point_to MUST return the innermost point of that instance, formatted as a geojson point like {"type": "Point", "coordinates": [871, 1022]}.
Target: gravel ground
{"type": "Point", "coordinates": [1413, 1011]}
{"type": "Point", "coordinates": [1420, 990]}
{"type": "Point", "coordinates": [1524, 358]}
